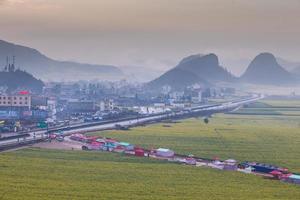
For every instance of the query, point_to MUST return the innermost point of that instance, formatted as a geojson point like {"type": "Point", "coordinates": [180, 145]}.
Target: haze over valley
{"type": "Point", "coordinates": [149, 99]}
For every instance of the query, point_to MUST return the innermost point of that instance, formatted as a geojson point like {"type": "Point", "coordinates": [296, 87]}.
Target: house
{"type": "Point", "coordinates": [81, 106]}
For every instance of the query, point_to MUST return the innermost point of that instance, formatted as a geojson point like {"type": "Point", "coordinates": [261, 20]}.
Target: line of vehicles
{"type": "Point", "coordinates": [97, 143]}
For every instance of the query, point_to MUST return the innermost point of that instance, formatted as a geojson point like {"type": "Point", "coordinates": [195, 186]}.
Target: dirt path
{"type": "Point", "coordinates": [65, 145]}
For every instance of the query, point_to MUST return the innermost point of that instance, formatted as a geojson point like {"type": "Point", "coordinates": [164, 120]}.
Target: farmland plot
{"type": "Point", "coordinates": [58, 174]}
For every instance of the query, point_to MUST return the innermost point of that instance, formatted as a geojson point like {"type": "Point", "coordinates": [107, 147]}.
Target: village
{"type": "Point", "coordinates": [81, 141]}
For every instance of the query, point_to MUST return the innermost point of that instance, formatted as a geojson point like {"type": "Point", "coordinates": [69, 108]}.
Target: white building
{"type": "Point", "coordinates": [51, 107]}
{"type": "Point", "coordinates": [146, 110]}
{"type": "Point", "coordinates": [107, 105]}
{"type": "Point", "coordinates": [198, 98]}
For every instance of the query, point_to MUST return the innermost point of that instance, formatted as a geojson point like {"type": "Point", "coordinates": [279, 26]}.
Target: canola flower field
{"type": "Point", "coordinates": [55, 174]}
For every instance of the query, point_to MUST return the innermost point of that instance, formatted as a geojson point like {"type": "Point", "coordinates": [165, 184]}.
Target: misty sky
{"type": "Point", "coordinates": [154, 33]}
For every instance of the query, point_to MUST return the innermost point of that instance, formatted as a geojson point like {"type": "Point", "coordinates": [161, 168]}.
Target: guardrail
{"type": "Point", "coordinates": [21, 143]}
{"type": "Point", "coordinates": [14, 136]}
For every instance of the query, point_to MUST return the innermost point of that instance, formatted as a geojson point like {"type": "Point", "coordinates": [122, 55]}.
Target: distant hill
{"type": "Point", "coordinates": [206, 67]}
{"type": "Point", "coordinates": [202, 69]}
{"type": "Point", "coordinates": [20, 80]}
{"type": "Point", "coordinates": [46, 68]}
{"type": "Point", "coordinates": [264, 69]}
{"type": "Point", "coordinates": [288, 65]}
{"type": "Point", "coordinates": [296, 71]}
{"type": "Point", "coordinates": [178, 79]}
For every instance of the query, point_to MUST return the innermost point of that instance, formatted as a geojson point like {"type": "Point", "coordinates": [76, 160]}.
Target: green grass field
{"type": "Point", "coordinates": [54, 174]}
{"type": "Point", "coordinates": [272, 107]}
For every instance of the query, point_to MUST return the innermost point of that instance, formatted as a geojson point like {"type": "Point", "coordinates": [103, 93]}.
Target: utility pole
{"type": "Point", "coordinates": [13, 64]}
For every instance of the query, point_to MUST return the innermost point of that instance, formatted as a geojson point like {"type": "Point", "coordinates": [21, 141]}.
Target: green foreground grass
{"type": "Point", "coordinates": [53, 174]}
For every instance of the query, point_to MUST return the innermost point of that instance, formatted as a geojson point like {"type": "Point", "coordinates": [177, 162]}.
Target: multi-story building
{"type": "Point", "coordinates": [81, 106]}
{"type": "Point", "coordinates": [15, 101]}
{"type": "Point", "coordinates": [13, 106]}
{"type": "Point", "coordinates": [106, 105]}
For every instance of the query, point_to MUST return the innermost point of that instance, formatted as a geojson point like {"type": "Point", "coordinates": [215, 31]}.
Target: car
{"type": "Point", "coordinates": [78, 137]}
{"type": "Point", "coordinates": [88, 119]}
{"type": "Point", "coordinates": [60, 138]}
{"type": "Point", "coordinates": [52, 136]}
{"type": "Point", "coordinates": [93, 146]}
{"type": "Point", "coordinates": [97, 118]}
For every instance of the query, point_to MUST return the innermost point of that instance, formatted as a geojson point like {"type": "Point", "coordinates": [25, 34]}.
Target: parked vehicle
{"type": "Point", "coordinates": [167, 153]}
{"type": "Point", "coordinates": [139, 152]}
{"type": "Point", "coordinates": [52, 136]}
{"type": "Point", "coordinates": [90, 139]}
{"type": "Point", "coordinates": [262, 168]}
{"type": "Point", "coordinates": [78, 137]}
{"type": "Point", "coordinates": [60, 138]}
{"type": "Point", "coordinates": [123, 128]}
{"type": "Point", "coordinates": [93, 146]}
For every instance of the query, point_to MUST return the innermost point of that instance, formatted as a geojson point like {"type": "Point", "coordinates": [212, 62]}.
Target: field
{"type": "Point", "coordinates": [54, 174]}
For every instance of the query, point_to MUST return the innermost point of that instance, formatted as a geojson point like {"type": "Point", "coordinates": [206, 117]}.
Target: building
{"type": "Point", "coordinates": [51, 107]}
{"type": "Point", "coordinates": [146, 110]}
{"type": "Point", "coordinates": [175, 104]}
{"type": "Point", "coordinates": [39, 102]}
{"type": "Point", "coordinates": [12, 107]}
{"type": "Point", "coordinates": [19, 107]}
{"type": "Point", "coordinates": [81, 106]}
{"type": "Point", "coordinates": [177, 95]}
{"type": "Point", "coordinates": [15, 101]}
{"type": "Point", "coordinates": [106, 105]}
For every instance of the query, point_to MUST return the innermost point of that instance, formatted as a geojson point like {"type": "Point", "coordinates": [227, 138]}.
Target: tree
{"type": "Point", "coordinates": [206, 120]}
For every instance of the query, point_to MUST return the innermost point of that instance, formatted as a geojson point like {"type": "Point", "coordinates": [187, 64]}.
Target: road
{"type": "Point", "coordinates": [200, 110]}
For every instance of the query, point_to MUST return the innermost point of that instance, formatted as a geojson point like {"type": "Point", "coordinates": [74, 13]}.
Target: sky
{"type": "Point", "coordinates": [154, 34]}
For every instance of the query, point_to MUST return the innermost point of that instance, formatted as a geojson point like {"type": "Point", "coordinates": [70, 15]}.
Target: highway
{"type": "Point", "coordinates": [88, 127]}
